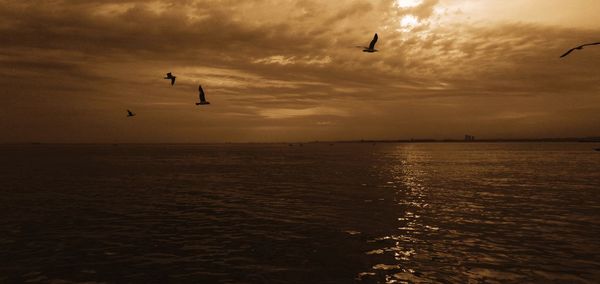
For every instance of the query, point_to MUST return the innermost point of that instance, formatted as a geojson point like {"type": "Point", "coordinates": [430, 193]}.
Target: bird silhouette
{"type": "Point", "coordinates": [170, 76]}
{"type": "Point", "coordinates": [578, 48]}
{"type": "Point", "coordinates": [130, 114]}
{"type": "Point", "coordinates": [202, 96]}
{"type": "Point", "coordinates": [371, 47]}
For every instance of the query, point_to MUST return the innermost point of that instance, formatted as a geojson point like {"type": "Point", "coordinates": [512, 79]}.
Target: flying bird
{"type": "Point", "coordinates": [130, 114]}
{"type": "Point", "coordinates": [371, 47]}
{"type": "Point", "coordinates": [170, 76]}
{"type": "Point", "coordinates": [578, 48]}
{"type": "Point", "coordinates": [202, 96]}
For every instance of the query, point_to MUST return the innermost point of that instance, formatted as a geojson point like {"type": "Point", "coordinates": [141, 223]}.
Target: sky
{"type": "Point", "coordinates": [289, 70]}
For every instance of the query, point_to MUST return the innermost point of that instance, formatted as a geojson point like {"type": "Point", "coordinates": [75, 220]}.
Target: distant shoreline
{"type": "Point", "coordinates": [516, 140]}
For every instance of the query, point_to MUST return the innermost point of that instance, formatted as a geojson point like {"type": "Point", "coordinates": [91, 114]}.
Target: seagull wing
{"type": "Point", "coordinates": [595, 43]}
{"type": "Point", "coordinates": [201, 94]}
{"type": "Point", "coordinates": [568, 52]}
{"type": "Point", "coordinates": [372, 45]}
{"type": "Point", "coordinates": [172, 81]}
{"type": "Point", "coordinates": [579, 47]}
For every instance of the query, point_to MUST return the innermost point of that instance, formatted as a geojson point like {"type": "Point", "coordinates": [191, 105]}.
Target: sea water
{"type": "Point", "coordinates": [300, 213]}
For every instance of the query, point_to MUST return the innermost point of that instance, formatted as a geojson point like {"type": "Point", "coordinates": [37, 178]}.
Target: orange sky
{"type": "Point", "coordinates": [288, 70]}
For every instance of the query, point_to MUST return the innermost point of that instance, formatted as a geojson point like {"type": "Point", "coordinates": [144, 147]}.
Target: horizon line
{"type": "Point", "coordinates": [411, 140]}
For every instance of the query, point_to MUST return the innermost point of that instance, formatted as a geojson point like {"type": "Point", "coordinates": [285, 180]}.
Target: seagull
{"type": "Point", "coordinates": [371, 47]}
{"type": "Point", "coordinates": [130, 114]}
{"type": "Point", "coordinates": [578, 48]}
{"type": "Point", "coordinates": [202, 97]}
{"type": "Point", "coordinates": [170, 76]}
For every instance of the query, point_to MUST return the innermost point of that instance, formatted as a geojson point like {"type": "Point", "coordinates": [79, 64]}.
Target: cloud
{"type": "Point", "coordinates": [291, 112]}
{"type": "Point", "coordinates": [268, 64]}
{"type": "Point", "coordinates": [282, 60]}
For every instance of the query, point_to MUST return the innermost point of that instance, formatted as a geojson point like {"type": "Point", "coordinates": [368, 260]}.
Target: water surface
{"type": "Point", "coordinates": [316, 213]}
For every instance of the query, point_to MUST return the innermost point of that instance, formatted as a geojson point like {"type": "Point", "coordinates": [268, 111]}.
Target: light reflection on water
{"type": "Point", "coordinates": [492, 215]}
{"type": "Point", "coordinates": [400, 247]}
{"type": "Point", "coordinates": [386, 213]}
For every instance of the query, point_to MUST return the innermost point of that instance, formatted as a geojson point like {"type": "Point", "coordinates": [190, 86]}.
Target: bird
{"type": "Point", "coordinates": [130, 114]}
{"type": "Point", "coordinates": [578, 48]}
{"type": "Point", "coordinates": [202, 97]}
{"type": "Point", "coordinates": [371, 47]}
{"type": "Point", "coordinates": [170, 76]}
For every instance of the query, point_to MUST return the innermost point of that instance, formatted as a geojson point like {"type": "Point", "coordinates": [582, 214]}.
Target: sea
{"type": "Point", "coordinates": [300, 213]}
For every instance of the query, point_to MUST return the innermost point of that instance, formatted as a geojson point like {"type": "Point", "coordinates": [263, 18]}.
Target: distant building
{"type": "Point", "coordinates": [469, 138]}
{"type": "Point", "coordinates": [590, 139]}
